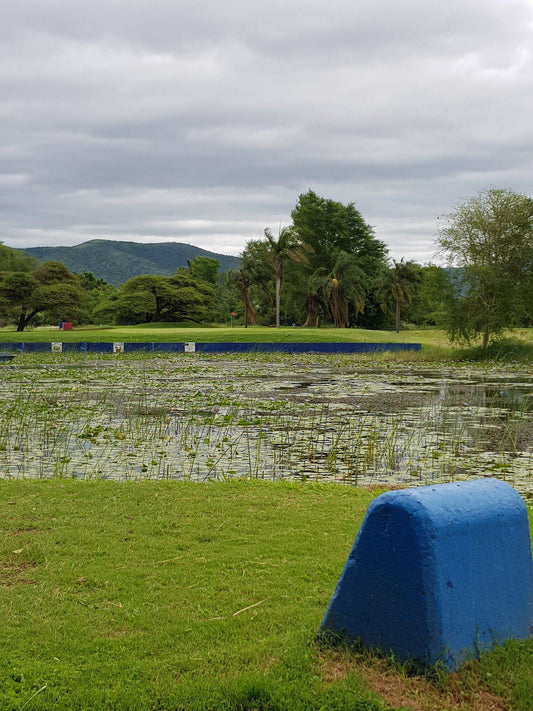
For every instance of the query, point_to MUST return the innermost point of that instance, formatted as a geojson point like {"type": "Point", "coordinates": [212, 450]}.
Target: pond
{"type": "Point", "coordinates": [306, 418]}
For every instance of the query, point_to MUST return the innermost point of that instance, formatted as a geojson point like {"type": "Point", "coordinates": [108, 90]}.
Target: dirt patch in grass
{"type": "Point", "coordinates": [413, 693]}
{"type": "Point", "coordinates": [23, 530]}
{"type": "Point", "coordinates": [15, 573]}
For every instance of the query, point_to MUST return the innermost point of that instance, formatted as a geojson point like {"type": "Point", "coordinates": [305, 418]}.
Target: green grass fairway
{"type": "Point", "coordinates": [161, 596]}
{"type": "Point", "coordinates": [171, 333]}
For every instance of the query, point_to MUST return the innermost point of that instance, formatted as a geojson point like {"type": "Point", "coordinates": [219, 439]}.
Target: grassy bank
{"type": "Point", "coordinates": [161, 595]}
{"type": "Point", "coordinates": [518, 345]}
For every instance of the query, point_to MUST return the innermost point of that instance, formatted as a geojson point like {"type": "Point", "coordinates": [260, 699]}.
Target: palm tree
{"type": "Point", "coordinates": [286, 247]}
{"type": "Point", "coordinates": [400, 282]}
{"type": "Point", "coordinates": [316, 285]}
{"type": "Point", "coordinates": [345, 286]}
{"type": "Point", "coordinates": [249, 311]}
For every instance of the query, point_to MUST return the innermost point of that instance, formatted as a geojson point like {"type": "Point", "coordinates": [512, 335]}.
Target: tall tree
{"type": "Point", "coordinates": [330, 227]}
{"type": "Point", "coordinates": [345, 287]}
{"type": "Point", "coordinates": [399, 285]}
{"type": "Point", "coordinates": [244, 289]}
{"type": "Point", "coordinates": [338, 232]}
{"type": "Point", "coordinates": [315, 284]}
{"type": "Point", "coordinates": [258, 267]}
{"type": "Point", "coordinates": [286, 247]}
{"type": "Point", "coordinates": [490, 239]}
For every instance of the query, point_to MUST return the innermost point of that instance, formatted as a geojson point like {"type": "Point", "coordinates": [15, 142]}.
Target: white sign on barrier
{"type": "Point", "coordinates": [189, 347]}
{"type": "Point", "coordinates": [57, 347]}
{"type": "Point", "coordinates": [118, 347]}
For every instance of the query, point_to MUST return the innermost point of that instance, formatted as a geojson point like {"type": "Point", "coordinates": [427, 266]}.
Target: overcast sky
{"type": "Point", "coordinates": [202, 122]}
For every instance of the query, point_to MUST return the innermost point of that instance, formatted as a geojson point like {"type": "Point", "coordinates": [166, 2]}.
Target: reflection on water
{"type": "Point", "coordinates": [294, 417]}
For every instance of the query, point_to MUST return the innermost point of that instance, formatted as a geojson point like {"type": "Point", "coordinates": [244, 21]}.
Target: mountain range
{"type": "Point", "coordinates": [116, 262]}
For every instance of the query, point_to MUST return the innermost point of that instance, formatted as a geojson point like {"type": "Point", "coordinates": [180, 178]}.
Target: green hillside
{"type": "Point", "coordinates": [116, 262]}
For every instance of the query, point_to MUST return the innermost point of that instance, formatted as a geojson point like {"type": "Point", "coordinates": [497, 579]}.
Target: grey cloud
{"type": "Point", "coordinates": [200, 121]}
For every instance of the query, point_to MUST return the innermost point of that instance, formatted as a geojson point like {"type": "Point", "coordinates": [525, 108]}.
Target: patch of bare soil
{"type": "Point", "coordinates": [413, 693]}
{"type": "Point", "coordinates": [15, 573]}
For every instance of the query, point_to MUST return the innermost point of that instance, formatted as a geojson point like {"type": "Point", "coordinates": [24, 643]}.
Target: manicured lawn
{"type": "Point", "coordinates": [174, 595]}
{"type": "Point", "coordinates": [171, 333]}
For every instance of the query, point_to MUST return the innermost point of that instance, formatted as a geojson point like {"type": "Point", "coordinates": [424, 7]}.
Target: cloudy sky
{"type": "Point", "coordinates": [202, 122]}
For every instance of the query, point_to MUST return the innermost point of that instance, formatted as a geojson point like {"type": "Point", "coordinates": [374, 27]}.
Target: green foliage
{"type": "Point", "coordinates": [286, 248]}
{"type": "Point", "coordinates": [327, 240]}
{"type": "Point", "coordinates": [259, 270]}
{"type": "Point", "coordinates": [490, 239]}
{"type": "Point", "coordinates": [205, 269]}
{"type": "Point", "coordinates": [50, 290]}
{"type": "Point", "coordinates": [97, 291]}
{"type": "Point", "coordinates": [330, 227]}
{"type": "Point", "coordinates": [344, 245]}
{"type": "Point", "coordinates": [13, 260]}
{"type": "Point", "coordinates": [399, 286]}
{"type": "Point", "coordinates": [345, 287]}
{"type": "Point", "coordinates": [306, 296]}
{"type": "Point", "coordinates": [152, 298]}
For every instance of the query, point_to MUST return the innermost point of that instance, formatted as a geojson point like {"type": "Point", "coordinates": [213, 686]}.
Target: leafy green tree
{"type": "Point", "coordinates": [16, 289]}
{"type": "Point", "coordinates": [194, 300]}
{"type": "Point", "coordinates": [204, 268]}
{"type": "Point", "coordinates": [264, 263]}
{"type": "Point", "coordinates": [399, 286]}
{"type": "Point", "coordinates": [306, 295]}
{"type": "Point", "coordinates": [341, 242]}
{"type": "Point", "coordinates": [151, 298]}
{"type": "Point", "coordinates": [97, 291]}
{"type": "Point", "coordinates": [330, 227]}
{"type": "Point", "coordinates": [489, 239]}
{"type": "Point", "coordinates": [49, 289]}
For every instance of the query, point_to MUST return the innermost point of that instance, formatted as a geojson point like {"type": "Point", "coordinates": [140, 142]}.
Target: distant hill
{"type": "Point", "coordinates": [116, 262]}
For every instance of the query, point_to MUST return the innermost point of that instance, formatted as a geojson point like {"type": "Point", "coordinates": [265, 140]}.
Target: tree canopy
{"type": "Point", "coordinates": [13, 260]}
{"type": "Point", "coordinates": [330, 227]}
{"type": "Point", "coordinates": [489, 238]}
{"type": "Point", "coordinates": [49, 288]}
{"type": "Point", "coordinates": [153, 298]}
{"type": "Point", "coordinates": [399, 285]}
{"type": "Point", "coordinates": [332, 258]}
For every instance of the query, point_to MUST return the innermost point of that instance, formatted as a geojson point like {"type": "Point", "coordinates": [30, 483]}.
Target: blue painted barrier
{"type": "Point", "coordinates": [438, 574]}
{"type": "Point", "coordinates": [90, 347]}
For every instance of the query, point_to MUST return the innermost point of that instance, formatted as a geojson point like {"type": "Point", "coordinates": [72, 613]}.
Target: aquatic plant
{"type": "Point", "coordinates": [319, 418]}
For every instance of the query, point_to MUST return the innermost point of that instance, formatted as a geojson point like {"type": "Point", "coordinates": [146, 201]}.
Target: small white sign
{"type": "Point", "coordinates": [118, 348]}
{"type": "Point", "coordinates": [57, 347]}
{"type": "Point", "coordinates": [190, 347]}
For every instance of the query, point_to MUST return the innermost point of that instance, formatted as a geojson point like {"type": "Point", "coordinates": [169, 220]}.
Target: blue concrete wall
{"type": "Point", "coordinates": [438, 573]}
{"type": "Point", "coordinates": [220, 347]}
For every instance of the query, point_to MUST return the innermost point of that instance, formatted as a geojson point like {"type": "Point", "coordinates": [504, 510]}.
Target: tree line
{"type": "Point", "coordinates": [327, 268]}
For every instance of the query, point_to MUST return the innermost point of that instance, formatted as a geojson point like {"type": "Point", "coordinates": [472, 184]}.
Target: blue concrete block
{"type": "Point", "coordinates": [438, 574]}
